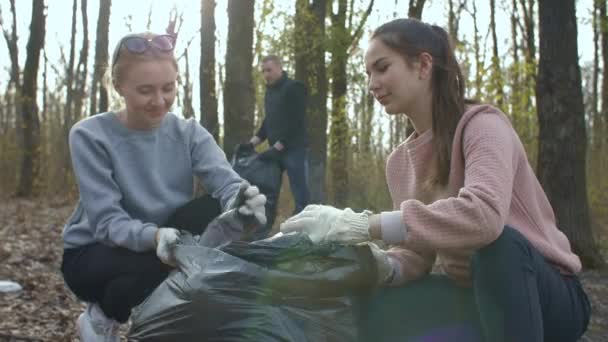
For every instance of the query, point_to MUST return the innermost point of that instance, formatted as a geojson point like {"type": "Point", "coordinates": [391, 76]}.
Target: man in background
{"type": "Point", "coordinates": [285, 127]}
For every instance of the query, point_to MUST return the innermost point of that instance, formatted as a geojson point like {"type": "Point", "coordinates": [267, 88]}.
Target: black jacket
{"type": "Point", "coordinates": [285, 107]}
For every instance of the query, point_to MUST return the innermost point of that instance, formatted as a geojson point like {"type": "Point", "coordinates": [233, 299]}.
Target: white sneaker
{"type": "Point", "coordinates": [94, 326]}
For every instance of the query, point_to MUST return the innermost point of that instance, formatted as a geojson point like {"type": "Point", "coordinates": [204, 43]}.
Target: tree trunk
{"type": "Point", "coordinates": [479, 64]}
{"type": "Point", "coordinates": [339, 132]}
{"type": "Point", "coordinates": [454, 18]}
{"type": "Point", "coordinates": [99, 88]}
{"type": "Point", "coordinates": [516, 110]}
{"type": "Point", "coordinates": [415, 9]}
{"type": "Point", "coordinates": [604, 44]}
{"type": "Point", "coordinates": [366, 130]}
{"type": "Point", "coordinates": [14, 83]}
{"type": "Point", "coordinates": [207, 89]}
{"type": "Point", "coordinates": [562, 137]}
{"type": "Point", "coordinates": [528, 10]}
{"type": "Point", "coordinates": [69, 80]}
{"type": "Point", "coordinates": [28, 102]}
{"type": "Point", "coordinates": [68, 114]}
{"type": "Point", "coordinates": [187, 108]}
{"type": "Point", "coordinates": [260, 48]}
{"type": "Point", "coordinates": [238, 92]}
{"type": "Point", "coordinates": [497, 82]}
{"type": "Point", "coordinates": [595, 22]}
{"type": "Point", "coordinates": [309, 41]}
{"type": "Point", "coordinates": [343, 36]}
{"type": "Point", "coordinates": [82, 68]}
{"type": "Point", "coordinates": [13, 48]}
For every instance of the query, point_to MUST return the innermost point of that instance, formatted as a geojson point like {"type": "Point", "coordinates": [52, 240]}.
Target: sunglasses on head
{"type": "Point", "coordinates": [138, 45]}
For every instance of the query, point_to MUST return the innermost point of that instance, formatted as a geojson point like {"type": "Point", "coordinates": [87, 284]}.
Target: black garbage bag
{"type": "Point", "coordinates": [263, 173]}
{"type": "Point", "coordinates": [283, 288]}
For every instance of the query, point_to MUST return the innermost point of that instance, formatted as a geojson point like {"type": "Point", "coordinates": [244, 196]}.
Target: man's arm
{"type": "Point", "coordinates": [261, 135]}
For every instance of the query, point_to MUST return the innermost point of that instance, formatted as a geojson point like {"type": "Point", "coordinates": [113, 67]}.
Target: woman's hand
{"type": "Point", "coordinates": [166, 239]}
{"type": "Point", "coordinates": [249, 202]}
{"type": "Point", "coordinates": [323, 223]}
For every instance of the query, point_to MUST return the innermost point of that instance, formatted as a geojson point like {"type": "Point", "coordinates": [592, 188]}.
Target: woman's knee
{"type": "Point", "coordinates": [507, 247]}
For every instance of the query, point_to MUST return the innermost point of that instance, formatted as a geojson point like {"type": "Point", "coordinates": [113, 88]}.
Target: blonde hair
{"type": "Point", "coordinates": [122, 58]}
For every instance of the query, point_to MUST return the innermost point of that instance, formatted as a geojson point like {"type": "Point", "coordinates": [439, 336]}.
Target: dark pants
{"type": "Point", "coordinates": [117, 278]}
{"type": "Point", "coordinates": [295, 161]}
{"type": "Point", "coordinates": [516, 296]}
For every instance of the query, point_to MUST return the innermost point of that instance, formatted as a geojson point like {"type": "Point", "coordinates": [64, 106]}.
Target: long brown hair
{"type": "Point", "coordinates": [411, 37]}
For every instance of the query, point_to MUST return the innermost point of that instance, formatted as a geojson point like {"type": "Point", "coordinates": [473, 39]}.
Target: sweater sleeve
{"type": "Point", "coordinates": [101, 196]}
{"type": "Point", "coordinates": [210, 165]}
{"type": "Point", "coordinates": [476, 216]}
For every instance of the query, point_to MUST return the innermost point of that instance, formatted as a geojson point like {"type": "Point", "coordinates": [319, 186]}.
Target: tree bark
{"type": "Point", "coordinates": [497, 82]}
{"type": "Point", "coordinates": [69, 80]}
{"type": "Point", "coordinates": [82, 68]}
{"type": "Point", "coordinates": [14, 83]}
{"type": "Point", "coordinates": [13, 48]}
{"type": "Point", "coordinates": [454, 18]}
{"type": "Point", "coordinates": [596, 20]}
{"type": "Point", "coordinates": [415, 9]}
{"type": "Point", "coordinates": [309, 41]}
{"type": "Point", "coordinates": [99, 90]}
{"type": "Point", "coordinates": [479, 64]}
{"type": "Point", "coordinates": [187, 108]}
{"type": "Point", "coordinates": [207, 88]}
{"type": "Point", "coordinates": [339, 130]}
{"type": "Point", "coordinates": [28, 102]}
{"type": "Point", "coordinates": [238, 92]}
{"type": "Point", "coordinates": [604, 44]}
{"type": "Point", "coordinates": [516, 109]}
{"type": "Point", "coordinates": [562, 136]}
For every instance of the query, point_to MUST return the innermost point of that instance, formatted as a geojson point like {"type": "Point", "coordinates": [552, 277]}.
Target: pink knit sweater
{"type": "Point", "coordinates": [491, 184]}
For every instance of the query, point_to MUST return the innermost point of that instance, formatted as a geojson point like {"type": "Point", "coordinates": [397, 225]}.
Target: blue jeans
{"type": "Point", "coordinates": [516, 296]}
{"type": "Point", "coordinates": [295, 162]}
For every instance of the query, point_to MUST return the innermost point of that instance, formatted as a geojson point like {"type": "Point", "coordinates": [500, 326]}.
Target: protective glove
{"type": "Point", "coordinates": [323, 223]}
{"type": "Point", "coordinates": [249, 203]}
{"type": "Point", "coordinates": [271, 154]}
{"type": "Point", "coordinates": [166, 239]}
{"type": "Point", "coordinates": [385, 269]}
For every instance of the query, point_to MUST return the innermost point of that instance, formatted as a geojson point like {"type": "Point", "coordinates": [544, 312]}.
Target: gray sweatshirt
{"type": "Point", "coordinates": [131, 181]}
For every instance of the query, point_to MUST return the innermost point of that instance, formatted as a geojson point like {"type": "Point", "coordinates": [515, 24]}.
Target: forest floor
{"type": "Point", "coordinates": [45, 310]}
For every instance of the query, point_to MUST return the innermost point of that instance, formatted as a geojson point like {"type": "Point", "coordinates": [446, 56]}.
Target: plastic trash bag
{"type": "Point", "coordinates": [283, 288]}
{"type": "Point", "coordinates": [264, 174]}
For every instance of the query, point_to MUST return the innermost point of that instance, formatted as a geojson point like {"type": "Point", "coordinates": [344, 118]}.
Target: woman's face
{"type": "Point", "coordinates": [397, 85]}
{"type": "Point", "coordinates": [149, 90]}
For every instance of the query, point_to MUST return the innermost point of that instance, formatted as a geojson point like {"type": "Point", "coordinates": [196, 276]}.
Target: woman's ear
{"type": "Point", "coordinates": [425, 62]}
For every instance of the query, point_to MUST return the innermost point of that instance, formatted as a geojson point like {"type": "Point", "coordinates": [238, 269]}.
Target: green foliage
{"type": "Point", "coordinates": [367, 183]}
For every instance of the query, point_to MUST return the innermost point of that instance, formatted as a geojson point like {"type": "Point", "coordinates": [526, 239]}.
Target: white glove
{"type": "Point", "coordinates": [323, 223]}
{"type": "Point", "coordinates": [249, 202]}
{"type": "Point", "coordinates": [385, 269]}
{"type": "Point", "coordinates": [166, 239]}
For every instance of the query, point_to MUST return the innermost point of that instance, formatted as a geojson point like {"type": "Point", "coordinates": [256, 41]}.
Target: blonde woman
{"type": "Point", "coordinates": [134, 167]}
